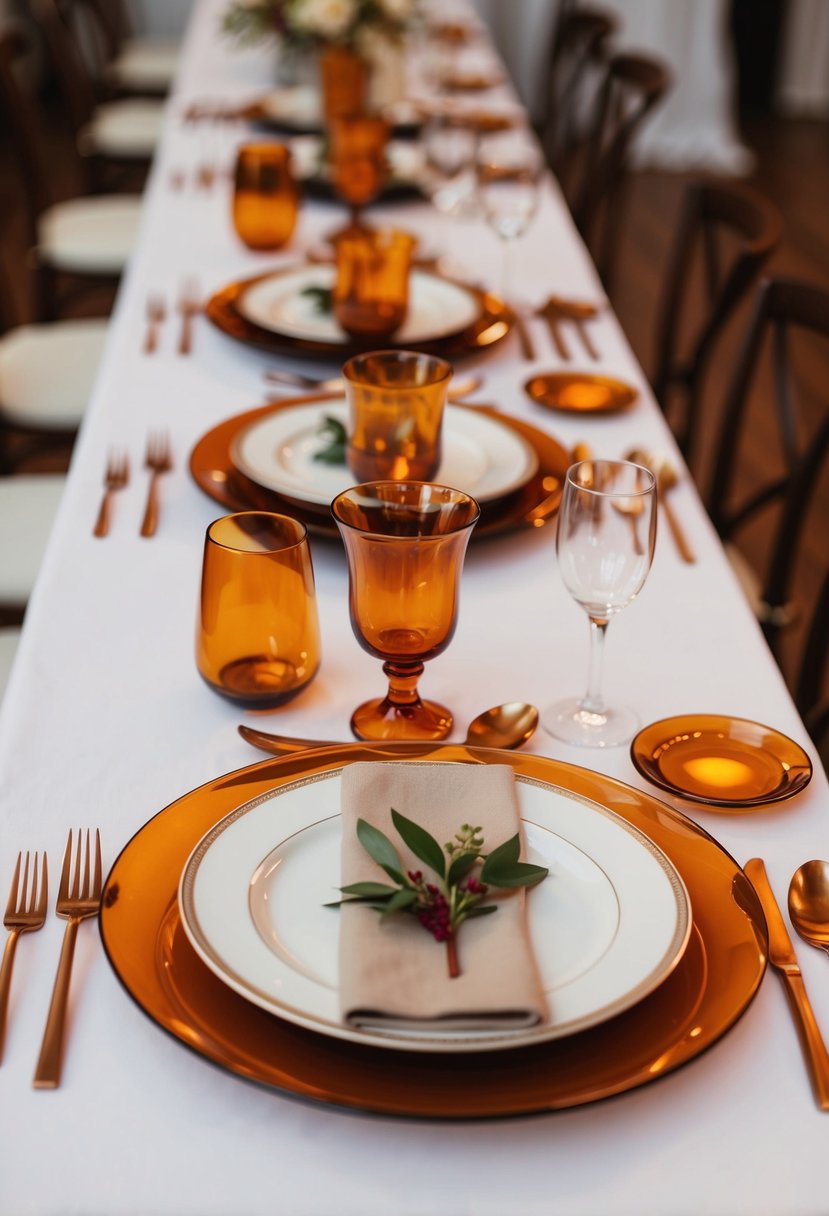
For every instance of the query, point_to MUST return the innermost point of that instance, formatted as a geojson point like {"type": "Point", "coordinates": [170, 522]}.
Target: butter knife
{"type": "Point", "coordinates": [784, 959]}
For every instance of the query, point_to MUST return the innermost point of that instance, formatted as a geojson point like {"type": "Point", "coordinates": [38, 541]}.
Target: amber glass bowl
{"type": "Point", "coordinates": [265, 196]}
{"type": "Point", "coordinates": [405, 544]}
{"type": "Point", "coordinates": [396, 400]}
{"type": "Point", "coordinates": [257, 639]}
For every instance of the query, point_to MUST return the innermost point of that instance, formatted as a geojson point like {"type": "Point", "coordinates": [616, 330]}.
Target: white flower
{"type": "Point", "coordinates": [325, 18]}
{"type": "Point", "coordinates": [397, 10]}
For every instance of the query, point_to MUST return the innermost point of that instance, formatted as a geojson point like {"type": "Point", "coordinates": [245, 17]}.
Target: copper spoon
{"type": "Point", "coordinates": [666, 479]}
{"type": "Point", "coordinates": [809, 903]}
{"type": "Point", "coordinates": [506, 726]}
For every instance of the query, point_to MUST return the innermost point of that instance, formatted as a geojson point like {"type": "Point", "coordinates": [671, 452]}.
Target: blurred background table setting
{"type": "Point", "coordinates": [300, 628]}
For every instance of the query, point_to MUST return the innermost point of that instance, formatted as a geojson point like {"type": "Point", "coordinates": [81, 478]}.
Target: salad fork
{"type": "Point", "coordinates": [189, 306]}
{"type": "Point", "coordinates": [156, 314]}
{"type": "Point", "coordinates": [116, 476]}
{"type": "Point", "coordinates": [25, 912]}
{"type": "Point", "coordinates": [77, 900]}
{"type": "Point", "coordinates": [159, 460]}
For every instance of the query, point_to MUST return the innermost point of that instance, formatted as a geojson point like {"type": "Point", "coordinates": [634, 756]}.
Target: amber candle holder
{"type": "Point", "coordinates": [357, 161]}
{"type": "Point", "coordinates": [257, 640]}
{"type": "Point", "coordinates": [405, 544]}
{"type": "Point", "coordinates": [265, 196]}
{"type": "Point", "coordinates": [371, 290]}
{"type": "Point", "coordinates": [396, 400]}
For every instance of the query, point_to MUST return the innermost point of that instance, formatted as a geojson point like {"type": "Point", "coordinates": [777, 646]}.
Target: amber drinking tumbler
{"type": "Point", "coordinates": [371, 290]}
{"type": "Point", "coordinates": [265, 196]}
{"type": "Point", "coordinates": [396, 400]}
{"type": "Point", "coordinates": [405, 544]}
{"type": "Point", "coordinates": [257, 640]}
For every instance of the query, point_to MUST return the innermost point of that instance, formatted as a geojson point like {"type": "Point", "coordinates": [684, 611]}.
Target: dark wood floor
{"type": "Point", "coordinates": [792, 170]}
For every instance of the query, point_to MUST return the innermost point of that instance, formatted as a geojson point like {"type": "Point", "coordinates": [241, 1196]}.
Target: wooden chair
{"type": "Point", "coordinates": [114, 137]}
{"type": "Point", "coordinates": [632, 86]}
{"type": "Point", "coordinates": [577, 52]}
{"type": "Point", "coordinates": [789, 328]}
{"type": "Point", "coordinates": [810, 694]}
{"type": "Point", "coordinates": [121, 62]}
{"type": "Point", "coordinates": [77, 245]}
{"type": "Point", "coordinates": [727, 232]}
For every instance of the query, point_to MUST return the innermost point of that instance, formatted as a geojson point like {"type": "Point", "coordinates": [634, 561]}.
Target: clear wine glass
{"type": "Point", "coordinates": [508, 170]}
{"type": "Point", "coordinates": [448, 144]}
{"type": "Point", "coordinates": [606, 533]}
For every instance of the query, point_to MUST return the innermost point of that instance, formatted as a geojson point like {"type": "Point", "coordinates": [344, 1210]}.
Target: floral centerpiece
{"type": "Point", "coordinates": [313, 24]}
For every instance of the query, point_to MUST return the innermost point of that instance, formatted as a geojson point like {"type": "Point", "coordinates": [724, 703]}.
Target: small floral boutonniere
{"type": "Point", "coordinates": [456, 895]}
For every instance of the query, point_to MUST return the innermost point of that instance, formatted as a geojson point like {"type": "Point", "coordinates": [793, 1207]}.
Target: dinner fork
{"type": "Point", "coordinates": [25, 911]}
{"type": "Point", "coordinates": [156, 314]}
{"type": "Point", "coordinates": [79, 897]}
{"type": "Point", "coordinates": [189, 306]}
{"type": "Point", "coordinates": [159, 460]}
{"type": "Point", "coordinates": [116, 476]}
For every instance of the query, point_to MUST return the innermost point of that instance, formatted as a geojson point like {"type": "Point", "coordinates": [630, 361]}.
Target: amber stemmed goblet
{"type": "Point", "coordinates": [357, 160]}
{"type": "Point", "coordinates": [396, 400]}
{"type": "Point", "coordinates": [405, 543]}
{"type": "Point", "coordinates": [265, 196]}
{"type": "Point", "coordinates": [257, 640]}
{"type": "Point", "coordinates": [606, 532]}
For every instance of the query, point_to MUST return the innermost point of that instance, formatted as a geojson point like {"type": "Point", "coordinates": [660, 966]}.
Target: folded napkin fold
{"type": "Point", "coordinates": [393, 974]}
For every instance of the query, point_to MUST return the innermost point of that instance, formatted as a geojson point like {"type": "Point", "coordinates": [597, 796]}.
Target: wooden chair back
{"type": "Point", "coordinates": [727, 232]}
{"type": "Point", "coordinates": [791, 419]}
{"type": "Point", "coordinates": [18, 108]}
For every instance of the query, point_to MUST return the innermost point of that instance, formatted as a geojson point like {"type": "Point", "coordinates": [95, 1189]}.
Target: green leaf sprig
{"type": "Point", "coordinates": [456, 895]}
{"type": "Point", "coordinates": [333, 431]}
{"type": "Point", "coordinates": [322, 298]}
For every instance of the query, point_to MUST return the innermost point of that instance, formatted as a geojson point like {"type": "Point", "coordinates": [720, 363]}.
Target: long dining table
{"type": "Point", "coordinates": [106, 721]}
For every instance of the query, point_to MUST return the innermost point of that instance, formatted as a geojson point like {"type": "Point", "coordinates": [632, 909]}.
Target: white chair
{"type": "Point", "coordinates": [77, 244]}
{"type": "Point", "coordinates": [28, 505]}
{"type": "Point", "coordinates": [122, 62]}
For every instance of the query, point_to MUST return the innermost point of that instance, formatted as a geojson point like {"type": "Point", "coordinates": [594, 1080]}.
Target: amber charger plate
{"type": "Point", "coordinates": [532, 505]}
{"type": "Point", "coordinates": [492, 321]}
{"type": "Point", "coordinates": [730, 763]}
{"type": "Point", "coordinates": [704, 995]}
{"type": "Point", "coordinates": [580, 392]}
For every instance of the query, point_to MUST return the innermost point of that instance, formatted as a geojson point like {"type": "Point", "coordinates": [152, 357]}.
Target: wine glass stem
{"type": "Point", "coordinates": [403, 683]}
{"type": "Point", "coordinates": [592, 701]}
{"type": "Point", "coordinates": [506, 269]}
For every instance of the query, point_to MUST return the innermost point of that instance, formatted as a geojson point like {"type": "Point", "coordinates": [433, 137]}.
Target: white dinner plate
{"type": "Point", "coordinates": [609, 922]}
{"type": "Point", "coordinates": [481, 456]}
{"type": "Point", "coordinates": [438, 308]}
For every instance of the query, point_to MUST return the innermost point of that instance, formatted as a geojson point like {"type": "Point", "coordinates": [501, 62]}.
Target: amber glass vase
{"type": "Point", "coordinates": [265, 196]}
{"type": "Point", "coordinates": [371, 291]}
{"type": "Point", "coordinates": [396, 400]}
{"type": "Point", "coordinates": [405, 544]}
{"type": "Point", "coordinates": [344, 79]}
{"type": "Point", "coordinates": [257, 640]}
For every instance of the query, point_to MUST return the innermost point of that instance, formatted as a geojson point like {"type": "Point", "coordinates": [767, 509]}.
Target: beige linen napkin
{"type": "Point", "coordinates": [394, 973]}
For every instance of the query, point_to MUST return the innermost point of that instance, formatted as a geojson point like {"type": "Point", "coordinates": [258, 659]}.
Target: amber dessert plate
{"type": "Point", "coordinates": [731, 763]}
{"type": "Point", "coordinates": [707, 991]}
{"type": "Point", "coordinates": [580, 392]}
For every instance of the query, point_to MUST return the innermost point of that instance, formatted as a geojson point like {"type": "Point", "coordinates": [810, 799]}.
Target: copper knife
{"type": "Point", "coordinates": [784, 959]}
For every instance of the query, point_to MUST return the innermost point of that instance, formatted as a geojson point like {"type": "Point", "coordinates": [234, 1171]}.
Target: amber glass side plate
{"type": "Point", "coordinates": [725, 762]}
{"type": "Point", "coordinates": [492, 323]}
{"type": "Point", "coordinates": [532, 505]}
{"type": "Point", "coordinates": [579, 393]}
{"type": "Point", "coordinates": [706, 993]}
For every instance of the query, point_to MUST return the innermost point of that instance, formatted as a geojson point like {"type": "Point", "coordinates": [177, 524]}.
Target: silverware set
{"type": "Point", "coordinates": [188, 305]}
{"type": "Point", "coordinates": [558, 312]}
{"type": "Point", "coordinates": [158, 460]}
{"type": "Point", "coordinates": [79, 899]}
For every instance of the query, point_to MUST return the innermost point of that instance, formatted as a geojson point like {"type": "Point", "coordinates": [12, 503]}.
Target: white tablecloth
{"type": "Point", "coordinates": [106, 721]}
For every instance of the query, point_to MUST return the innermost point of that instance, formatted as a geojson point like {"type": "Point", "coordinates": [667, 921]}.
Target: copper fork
{"type": "Point", "coordinates": [189, 305]}
{"type": "Point", "coordinates": [159, 460]}
{"type": "Point", "coordinates": [156, 314]}
{"type": "Point", "coordinates": [25, 911]}
{"type": "Point", "coordinates": [116, 476]}
{"type": "Point", "coordinates": [79, 897]}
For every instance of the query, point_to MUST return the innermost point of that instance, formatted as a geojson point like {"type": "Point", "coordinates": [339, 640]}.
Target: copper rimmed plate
{"type": "Point", "coordinates": [273, 311]}
{"type": "Point", "coordinates": [532, 504]}
{"type": "Point", "coordinates": [704, 995]}
{"type": "Point", "coordinates": [725, 762]}
{"type": "Point", "coordinates": [580, 393]}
